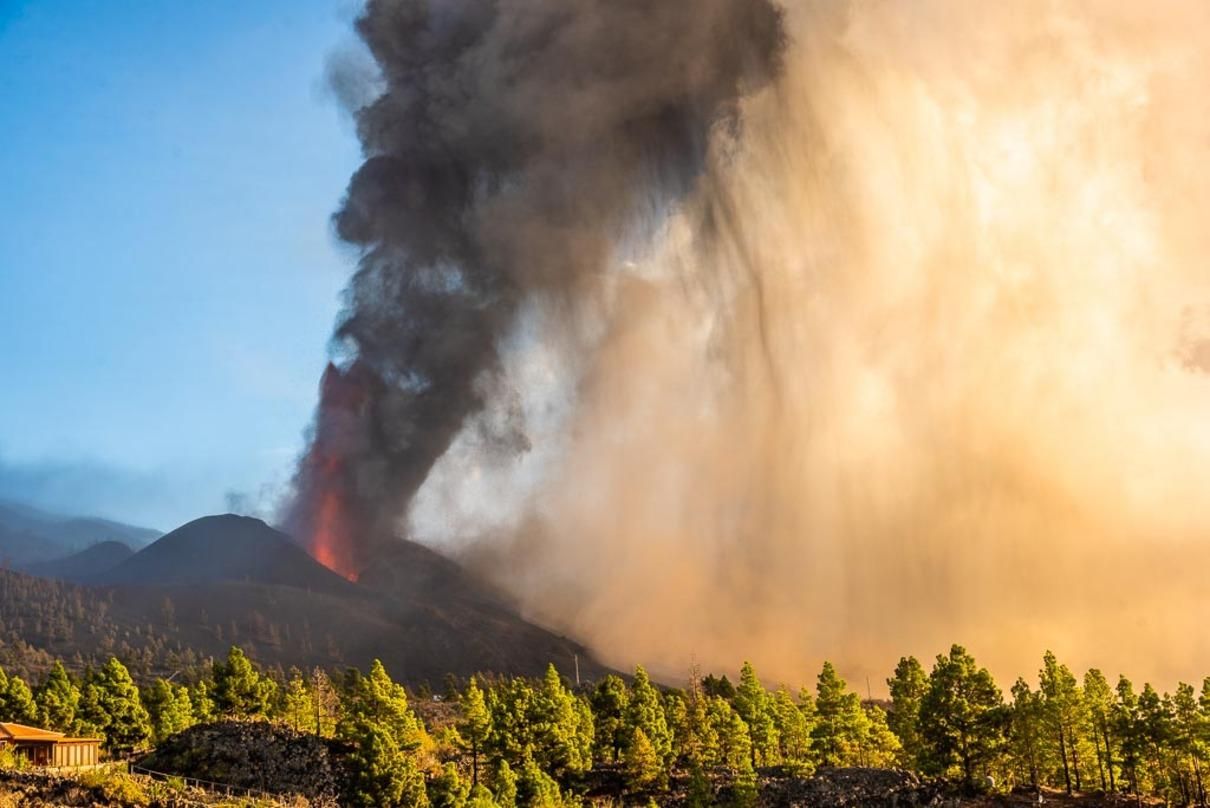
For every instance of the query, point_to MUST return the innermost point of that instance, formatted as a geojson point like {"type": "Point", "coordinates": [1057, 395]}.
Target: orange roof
{"type": "Point", "coordinates": [20, 732]}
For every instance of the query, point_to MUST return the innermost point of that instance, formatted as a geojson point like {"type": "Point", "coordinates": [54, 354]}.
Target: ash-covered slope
{"type": "Point", "coordinates": [224, 580]}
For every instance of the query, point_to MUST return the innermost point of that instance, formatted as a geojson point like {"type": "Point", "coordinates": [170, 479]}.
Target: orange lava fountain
{"type": "Point", "coordinates": [328, 544]}
{"type": "Point", "coordinates": [326, 517]}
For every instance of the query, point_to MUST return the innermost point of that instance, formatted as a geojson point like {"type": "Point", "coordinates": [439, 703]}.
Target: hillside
{"type": "Point", "coordinates": [29, 535]}
{"type": "Point", "coordinates": [227, 579]}
{"type": "Point", "coordinates": [84, 565]}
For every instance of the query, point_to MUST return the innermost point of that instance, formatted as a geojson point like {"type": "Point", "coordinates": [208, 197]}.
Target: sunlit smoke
{"type": "Point", "coordinates": [922, 359]}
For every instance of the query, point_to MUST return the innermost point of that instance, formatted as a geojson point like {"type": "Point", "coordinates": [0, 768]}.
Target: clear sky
{"type": "Point", "coordinates": [168, 277]}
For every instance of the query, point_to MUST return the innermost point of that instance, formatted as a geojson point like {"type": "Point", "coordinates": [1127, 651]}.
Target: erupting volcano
{"type": "Point", "coordinates": [327, 516]}
{"type": "Point", "coordinates": [705, 325]}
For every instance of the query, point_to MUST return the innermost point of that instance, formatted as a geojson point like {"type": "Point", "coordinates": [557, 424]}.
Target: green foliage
{"type": "Point", "coordinates": [201, 700]}
{"type": "Point", "coordinates": [1064, 713]}
{"type": "Point", "coordinates": [645, 711]}
{"type": "Point", "coordinates": [117, 786]}
{"type": "Point", "coordinates": [378, 700]}
{"type": "Point", "coordinates": [506, 786]}
{"type": "Point", "coordinates": [239, 689]}
{"type": "Point", "coordinates": [907, 688]}
{"type": "Point", "coordinates": [536, 788]}
{"type": "Point", "coordinates": [475, 726]}
{"type": "Point", "coordinates": [842, 732]}
{"type": "Point", "coordinates": [961, 716]}
{"type": "Point", "coordinates": [753, 705]}
{"type": "Point", "coordinates": [57, 700]}
{"type": "Point", "coordinates": [297, 706]}
{"type": "Point", "coordinates": [169, 708]}
{"type": "Point", "coordinates": [18, 702]}
{"type": "Point", "coordinates": [610, 701]}
{"type": "Point", "coordinates": [562, 732]}
{"type": "Point", "coordinates": [515, 742]}
{"type": "Point", "coordinates": [448, 789]}
{"type": "Point", "coordinates": [1098, 698]}
{"type": "Point", "coordinates": [643, 765]}
{"type": "Point", "coordinates": [381, 773]}
{"type": "Point", "coordinates": [793, 725]}
{"type": "Point", "coordinates": [110, 704]}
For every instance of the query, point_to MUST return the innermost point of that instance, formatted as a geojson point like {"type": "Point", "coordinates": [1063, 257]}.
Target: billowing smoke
{"type": "Point", "coordinates": [920, 357]}
{"type": "Point", "coordinates": [512, 146]}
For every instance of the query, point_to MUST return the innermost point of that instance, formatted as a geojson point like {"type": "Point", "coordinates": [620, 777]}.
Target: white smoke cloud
{"type": "Point", "coordinates": [922, 361]}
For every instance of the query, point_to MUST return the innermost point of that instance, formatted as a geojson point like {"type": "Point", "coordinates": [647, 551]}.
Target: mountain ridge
{"type": "Point", "coordinates": [224, 580]}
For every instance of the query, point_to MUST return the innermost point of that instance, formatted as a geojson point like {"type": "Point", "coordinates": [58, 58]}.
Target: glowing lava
{"type": "Point", "coordinates": [326, 517]}
{"type": "Point", "coordinates": [328, 543]}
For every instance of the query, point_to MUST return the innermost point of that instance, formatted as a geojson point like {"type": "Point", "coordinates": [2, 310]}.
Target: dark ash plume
{"type": "Point", "coordinates": [507, 152]}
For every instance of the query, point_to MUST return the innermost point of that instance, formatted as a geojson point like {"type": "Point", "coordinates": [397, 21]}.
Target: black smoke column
{"type": "Point", "coordinates": [509, 149]}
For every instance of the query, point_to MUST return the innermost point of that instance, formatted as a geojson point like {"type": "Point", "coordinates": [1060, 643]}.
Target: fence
{"type": "Point", "coordinates": [206, 785]}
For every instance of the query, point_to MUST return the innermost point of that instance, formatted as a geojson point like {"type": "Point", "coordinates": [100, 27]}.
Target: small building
{"type": "Point", "coordinates": [43, 747]}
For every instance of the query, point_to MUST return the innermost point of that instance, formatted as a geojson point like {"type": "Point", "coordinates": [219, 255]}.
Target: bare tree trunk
{"type": "Point", "coordinates": [1096, 742]}
{"type": "Point", "coordinates": [1063, 754]}
{"type": "Point", "coordinates": [1075, 761]}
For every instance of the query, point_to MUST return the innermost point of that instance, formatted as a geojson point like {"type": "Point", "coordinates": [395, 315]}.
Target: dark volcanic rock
{"type": "Point", "coordinates": [251, 754]}
{"type": "Point", "coordinates": [855, 788]}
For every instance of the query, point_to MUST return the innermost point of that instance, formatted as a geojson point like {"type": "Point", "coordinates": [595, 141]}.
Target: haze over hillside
{"type": "Point", "coordinates": [230, 579]}
{"type": "Point", "coordinates": [29, 535]}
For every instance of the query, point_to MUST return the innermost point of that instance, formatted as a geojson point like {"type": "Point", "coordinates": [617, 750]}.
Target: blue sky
{"type": "Point", "coordinates": [168, 277]}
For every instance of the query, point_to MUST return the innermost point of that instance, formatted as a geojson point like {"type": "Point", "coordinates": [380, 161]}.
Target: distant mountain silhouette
{"type": "Point", "coordinates": [29, 535]}
{"type": "Point", "coordinates": [223, 580]}
{"type": "Point", "coordinates": [84, 565]}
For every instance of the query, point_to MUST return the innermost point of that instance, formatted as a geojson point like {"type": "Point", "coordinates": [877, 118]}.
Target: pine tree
{"type": "Point", "coordinates": [448, 789]}
{"type": "Point", "coordinates": [793, 733]}
{"type": "Point", "coordinates": [645, 711]}
{"type": "Point", "coordinates": [609, 707]}
{"type": "Point", "coordinates": [1098, 697]}
{"type": "Point", "coordinates": [169, 708]}
{"type": "Point", "coordinates": [536, 788]}
{"type": "Point", "coordinates": [510, 703]}
{"type": "Point", "coordinates": [326, 703]}
{"type": "Point", "coordinates": [57, 699]}
{"type": "Point", "coordinates": [239, 689]}
{"type": "Point", "coordinates": [201, 701]}
{"type": "Point", "coordinates": [1026, 731]}
{"type": "Point", "coordinates": [643, 766]}
{"type": "Point", "coordinates": [1127, 727]}
{"type": "Point", "coordinates": [734, 742]}
{"type": "Point", "coordinates": [907, 688]}
{"type": "Point", "coordinates": [752, 704]}
{"type": "Point", "coordinates": [506, 785]}
{"type": "Point", "coordinates": [840, 723]}
{"type": "Point", "coordinates": [297, 706]}
{"type": "Point", "coordinates": [880, 748]}
{"type": "Point", "coordinates": [384, 703]}
{"type": "Point", "coordinates": [1155, 726]}
{"type": "Point", "coordinates": [1188, 743]}
{"type": "Point", "coordinates": [111, 700]}
{"type": "Point", "coordinates": [19, 705]}
{"type": "Point", "coordinates": [556, 725]}
{"type": "Point", "coordinates": [960, 715]}
{"type": "Point", "coordinates": [476, 723]}
{"type": "Point", "coordinates": [380, 773]}
{"type": "Point", "coordinates": [1064, 710]}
